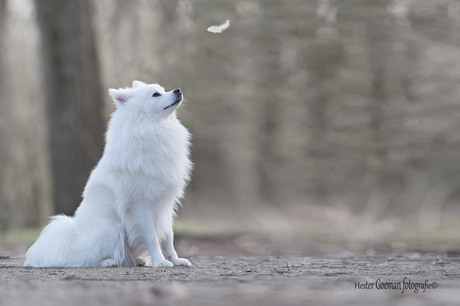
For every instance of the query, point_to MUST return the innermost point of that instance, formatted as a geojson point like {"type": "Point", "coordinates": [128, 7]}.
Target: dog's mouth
{"type": "Point", "coordinates": [179, 100]}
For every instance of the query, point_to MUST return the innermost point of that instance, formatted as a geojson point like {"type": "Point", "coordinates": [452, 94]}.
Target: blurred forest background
{"type": "Point", "coordinates": [336, 118]}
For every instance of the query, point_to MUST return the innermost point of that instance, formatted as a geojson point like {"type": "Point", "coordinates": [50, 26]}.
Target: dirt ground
{"type": "Point", "coordinates": [237, 272]}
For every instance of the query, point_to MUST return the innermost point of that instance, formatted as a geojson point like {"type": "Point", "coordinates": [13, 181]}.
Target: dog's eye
{"type": "Point", "coordinates": [157, 94]}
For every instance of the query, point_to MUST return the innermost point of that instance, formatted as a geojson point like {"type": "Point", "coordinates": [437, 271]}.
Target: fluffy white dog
{"type": "Point", "coordinates": [131, 196]}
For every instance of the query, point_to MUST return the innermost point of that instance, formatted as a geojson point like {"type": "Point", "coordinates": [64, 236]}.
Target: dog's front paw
{"type": "Point", "coordinates": [182, 262]}
{"type": "Point", "coordinates": [163, 264]}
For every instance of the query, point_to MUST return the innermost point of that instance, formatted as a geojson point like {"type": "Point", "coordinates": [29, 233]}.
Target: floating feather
{"type": "Point", "coordinates": [219, 28]}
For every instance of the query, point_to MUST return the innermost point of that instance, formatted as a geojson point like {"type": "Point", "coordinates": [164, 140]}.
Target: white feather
{"type": "Point", "coordinates": [219, 28]}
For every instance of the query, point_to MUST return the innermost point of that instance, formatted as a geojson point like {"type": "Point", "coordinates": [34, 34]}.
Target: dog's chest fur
{"type": "Point", "coordinates": [149, 161]}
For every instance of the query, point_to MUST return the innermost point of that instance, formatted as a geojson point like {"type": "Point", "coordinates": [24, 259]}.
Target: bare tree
{"type": "Point", "coordinates": [2, 21]}
{"type": "Point", "coordinates": [2, 151]}
{"type": "Point", "coordinates": [74, 96]}
{"type": "Point", "coordinates": [323, 58]}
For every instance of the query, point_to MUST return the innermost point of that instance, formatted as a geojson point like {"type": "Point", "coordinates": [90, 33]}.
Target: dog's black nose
{"type": "Point", "coordinates": [177, 90]}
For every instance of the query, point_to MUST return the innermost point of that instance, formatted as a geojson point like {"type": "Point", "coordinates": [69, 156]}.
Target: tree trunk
{"type": "Point", "coordinates": [378, 40]}
{"type": "Point", "coordinates": [2, 22]}
{"type": "Point", "coordinates": [74, 96]}
{"type": "Point", "coordinates": [2, 137]}
{"type": "Point", "coordinates": [324, 56]}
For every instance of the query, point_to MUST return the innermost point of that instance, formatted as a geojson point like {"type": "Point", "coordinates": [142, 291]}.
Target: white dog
{"type": "Point", "coordinates": [131, 196]}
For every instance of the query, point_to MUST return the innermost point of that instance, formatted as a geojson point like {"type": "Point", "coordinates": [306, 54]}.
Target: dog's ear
{"type": "Point", "coordinates": [119, 96]}
{"type": "Point", "coordinates": [137, 84]}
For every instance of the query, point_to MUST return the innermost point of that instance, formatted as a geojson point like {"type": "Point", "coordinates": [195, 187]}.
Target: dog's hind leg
{"type": "Point", "coordinates": [109, 262]}
{"type": "Point", "coordinates": [143, 259]}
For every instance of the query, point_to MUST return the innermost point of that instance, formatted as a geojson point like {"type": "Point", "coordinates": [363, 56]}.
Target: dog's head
{"type": "Point", "coordinates": [147, 99]}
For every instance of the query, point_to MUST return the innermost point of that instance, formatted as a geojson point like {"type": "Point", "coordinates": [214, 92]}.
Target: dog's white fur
{"type": "Point", "coordinates": [131, 196]}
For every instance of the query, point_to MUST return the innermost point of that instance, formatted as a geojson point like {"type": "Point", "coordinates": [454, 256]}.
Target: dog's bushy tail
{"type": "Point", "coordinates": [53, 246]}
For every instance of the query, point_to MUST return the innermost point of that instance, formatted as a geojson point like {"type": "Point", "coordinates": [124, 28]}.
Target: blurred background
{"type": "Point", "coordinates": [320, 120]}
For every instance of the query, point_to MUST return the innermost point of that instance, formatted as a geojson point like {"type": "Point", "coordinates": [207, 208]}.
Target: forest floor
{"type": "Point", "coordinates": [244, 270]}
